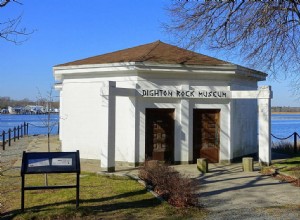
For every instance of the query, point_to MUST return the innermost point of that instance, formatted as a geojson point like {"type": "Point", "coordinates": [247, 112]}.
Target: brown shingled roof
{"type": "Point", "coordinates": [156, 52]}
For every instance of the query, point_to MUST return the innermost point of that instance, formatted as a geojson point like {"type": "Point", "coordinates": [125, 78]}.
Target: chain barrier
{"type": "Point", "coordinates": [282, 139]}
{"type": "Point", "coordinates": [50, 126]}
{"type": "Point", "coordinates": [44, 126]}
{"type": "Point", "coordinates": [295, 135]}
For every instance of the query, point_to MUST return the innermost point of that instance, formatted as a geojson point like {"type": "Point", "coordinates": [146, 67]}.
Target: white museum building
{"type": "Point", "coordinates": [158, 101]}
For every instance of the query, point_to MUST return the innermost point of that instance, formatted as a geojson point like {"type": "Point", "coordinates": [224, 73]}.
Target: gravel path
{"type": "Point", "coordinates": [229, 193]}
{"type": "Point", "coordinates": [13, 153]}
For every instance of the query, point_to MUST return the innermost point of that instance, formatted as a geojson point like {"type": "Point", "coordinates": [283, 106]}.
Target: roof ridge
{"type": "Point", "coordinates": [155, 44]}
{"type": "Point", "coordinates": [156, 52]}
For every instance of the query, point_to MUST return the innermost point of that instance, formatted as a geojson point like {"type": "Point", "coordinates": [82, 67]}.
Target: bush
{"type": "Point", "coordinates": [172, 186]}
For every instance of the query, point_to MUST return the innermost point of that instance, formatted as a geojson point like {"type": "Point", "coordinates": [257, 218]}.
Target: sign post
{"type": "Point", "coordinates": [50, 162]}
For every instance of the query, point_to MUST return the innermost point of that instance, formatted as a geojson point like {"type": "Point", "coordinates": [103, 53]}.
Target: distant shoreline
{"type": "Point", "coordinates": [281, 113]}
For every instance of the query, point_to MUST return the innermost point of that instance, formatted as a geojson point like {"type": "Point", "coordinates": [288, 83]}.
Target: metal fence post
{"type": "Point", "coordinates": [295, 142]}
{"type": "Point", "coordinates": [3, 140]}
{"type": "Point", "coordinates": [21, 131]}
{"type": "Point", "coordinates": [24, 129]}
{"type": "Point", "coordinates": [15, 134]}
{"type": "Point", "coordinates": [18, 132]}
{"type": "Point", "coordinates": [9, 137]}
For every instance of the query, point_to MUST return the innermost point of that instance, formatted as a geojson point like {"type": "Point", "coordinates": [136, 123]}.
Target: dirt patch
{"type": "Point", "coordinates": [295, 181]}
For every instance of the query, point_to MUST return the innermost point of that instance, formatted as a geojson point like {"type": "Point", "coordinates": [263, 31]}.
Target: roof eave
{"type": "Point", "coordinates": [157, 67]}
{"type": "Point", "coordinates": [224, 69]}
{"type": "Point", "coordinates": [247, 72]}
{"type": "Point", "coordinates": [59, 71]}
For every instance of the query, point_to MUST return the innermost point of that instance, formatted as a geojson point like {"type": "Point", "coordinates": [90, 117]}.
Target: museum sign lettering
{"type": "Point", "coordinates": [162, 93]}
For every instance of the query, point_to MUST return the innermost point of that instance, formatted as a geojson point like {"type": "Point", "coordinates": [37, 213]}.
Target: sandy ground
{"type": "Point", "coordinates": [226, 191]}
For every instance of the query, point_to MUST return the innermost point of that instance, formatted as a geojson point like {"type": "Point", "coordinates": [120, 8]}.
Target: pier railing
{"type": "Point", "coordinates": [295, 135]}
{"type": "Point", "coordinates": [13, 134]}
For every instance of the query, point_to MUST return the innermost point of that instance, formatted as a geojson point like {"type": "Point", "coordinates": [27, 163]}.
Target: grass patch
{"type": "Point", "coordinates": [289, 165]}
{"type": "Point", "coordinates": [108, 197]}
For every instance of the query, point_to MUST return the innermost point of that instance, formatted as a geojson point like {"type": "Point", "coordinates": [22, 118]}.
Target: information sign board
{"type": "Point", "coordinates": [50, 162]}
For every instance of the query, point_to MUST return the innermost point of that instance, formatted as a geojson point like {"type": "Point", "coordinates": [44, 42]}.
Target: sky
{"type": "Point", "coordinates": [69, 30]}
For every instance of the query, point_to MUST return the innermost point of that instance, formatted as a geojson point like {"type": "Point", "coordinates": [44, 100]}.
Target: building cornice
{"type": "Point", "coordinates": [147, 67]}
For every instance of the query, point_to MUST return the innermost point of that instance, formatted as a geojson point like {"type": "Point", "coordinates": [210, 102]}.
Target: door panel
{"type": "Point", "coordinates": [206, 141]}
{"type": "Point", "coordinates": [160, 134]}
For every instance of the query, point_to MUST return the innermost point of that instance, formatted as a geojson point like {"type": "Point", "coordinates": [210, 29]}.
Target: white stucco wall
{"type": "Point", "coordinates": [244, 122]}
{"type": "Point", "coordinates": [83, 118]}
{"type": "Point", "coordinates": [244, 127]}
{"type": "Point", "coordinates": [125, 129]}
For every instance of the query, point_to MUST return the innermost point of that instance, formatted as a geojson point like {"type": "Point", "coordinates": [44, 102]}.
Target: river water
{"type": "Point", "coordinates": [283, 125]}
{"type": "Point", "coordinates": [38, 124]}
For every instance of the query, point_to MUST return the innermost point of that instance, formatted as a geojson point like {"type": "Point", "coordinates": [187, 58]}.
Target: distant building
{"type": "Point", "coordinates": [16, 110]}
{"type": "Point", "coordinates": [158, 101]}
{"type": "Point", "coordinates": [4, 111]}
{"type": "Point", "coordinates": [34, 109]}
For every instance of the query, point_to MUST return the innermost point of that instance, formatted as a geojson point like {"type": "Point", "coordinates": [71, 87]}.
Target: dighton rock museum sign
{"type": "Point", "coordinates": [161, 93]}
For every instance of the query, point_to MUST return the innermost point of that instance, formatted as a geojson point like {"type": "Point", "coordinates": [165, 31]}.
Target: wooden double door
{"type": "Point", "coordinates": [206, 134]}
{"type": "Point", "coordinates": [160, 134]}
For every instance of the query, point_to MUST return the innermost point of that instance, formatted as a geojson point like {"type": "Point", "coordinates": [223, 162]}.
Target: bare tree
{"type": "Point", "coordinates": [46, 102]}
{"type": "Point", "coordinates": [10, 29]}
{"type": "Point", "coordinates": [266, 33]}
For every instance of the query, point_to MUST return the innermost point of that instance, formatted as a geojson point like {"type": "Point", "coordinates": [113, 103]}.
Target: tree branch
{"type": "Point", "coordinates": [3, 3]}
{"type": "Point", "coordinates": [11, 32]}
{"type": "Point", "coordinates": [266, 33]}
